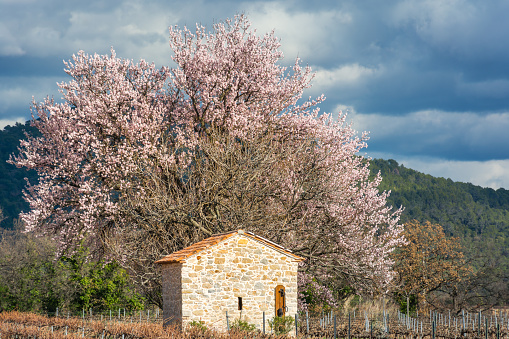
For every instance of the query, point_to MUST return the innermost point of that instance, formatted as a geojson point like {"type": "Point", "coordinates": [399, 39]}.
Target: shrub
{"type": "Point", "coordinates": [242, 325]}
{"type": "Point", "coordinates": [200, 325]}
{"type": "Point", "coordinates": [281, 325]}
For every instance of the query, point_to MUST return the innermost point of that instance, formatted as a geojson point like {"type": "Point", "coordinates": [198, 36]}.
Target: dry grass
{"type": "Point", "coordinates": [24, 325]}
{"type": "Point", "coordinates": [30, 325]}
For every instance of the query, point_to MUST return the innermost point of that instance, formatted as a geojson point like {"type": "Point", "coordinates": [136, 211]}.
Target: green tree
{"type": "Point", "coordinates": [99, 285]}
{"type": "Point", "coordinates": [32, 279]}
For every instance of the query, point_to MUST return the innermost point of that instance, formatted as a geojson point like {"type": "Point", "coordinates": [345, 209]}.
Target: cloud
{"type": "Point", "coordinates": [428, 78]}
{"type": "Point", "coordinates": [8, 43]}
{"type": "Point", "coordinates": [496, 88]}
{"type": "Point", "coordinates": [11, 122]}
{"type": "Point", "coordinates": [16, 94]}
{"type": "Point", "coordinates": [469, 29]}
{"type": "Point", "coordinates": [452, 135]}
{"type": "Point", "coordinates": [137, 30]}
{"type": "Point", "coordinates": [346, 75]}
{"type": "Point", "coordinates": [311, 35]}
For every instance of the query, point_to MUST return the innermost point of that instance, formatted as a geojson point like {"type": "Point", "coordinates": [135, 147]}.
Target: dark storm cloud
{"type": "Point", "coordinates": [30, 66]}
{"type": "Point", "coordinates": [455, 136]}
{"type": "Point", "coordinates": [433, 73]}
{"type": "Point", "coordinates": [434, 55]}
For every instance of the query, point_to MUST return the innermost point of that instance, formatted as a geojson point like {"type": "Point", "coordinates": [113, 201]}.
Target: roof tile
{"type": "Point", "coordinates": [182, 255]}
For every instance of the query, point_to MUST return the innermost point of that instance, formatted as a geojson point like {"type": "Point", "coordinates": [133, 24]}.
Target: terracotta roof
{"type": "Point", "coordinates": [180, 256]}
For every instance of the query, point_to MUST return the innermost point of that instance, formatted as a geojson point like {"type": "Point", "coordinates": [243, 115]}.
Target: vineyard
{"type": "Point", "coordinates": [467, 325]}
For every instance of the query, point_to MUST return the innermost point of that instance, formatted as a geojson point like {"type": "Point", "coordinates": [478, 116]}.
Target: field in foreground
{"type": "Point", "coordinates": [30, 325]}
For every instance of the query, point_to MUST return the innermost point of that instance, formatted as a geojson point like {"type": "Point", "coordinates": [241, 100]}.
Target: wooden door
{"type": "Point", "coordinates": [280, 304]}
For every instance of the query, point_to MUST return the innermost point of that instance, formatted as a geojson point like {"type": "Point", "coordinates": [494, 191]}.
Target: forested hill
{"type": "Point", "coordinates": [462, 209]}
{"type": "Point", "coordinates": [12, 179]}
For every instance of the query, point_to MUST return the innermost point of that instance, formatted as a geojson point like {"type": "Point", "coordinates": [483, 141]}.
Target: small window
{"type": "Point", "coordinates": [240, 303]}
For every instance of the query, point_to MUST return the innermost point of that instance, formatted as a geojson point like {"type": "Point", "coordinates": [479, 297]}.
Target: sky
{"type": "Point", "coordinates": [428, 79]}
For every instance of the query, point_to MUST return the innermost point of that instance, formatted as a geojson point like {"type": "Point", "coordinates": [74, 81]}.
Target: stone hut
{"type": "Point", "coordinates": [236, 272]}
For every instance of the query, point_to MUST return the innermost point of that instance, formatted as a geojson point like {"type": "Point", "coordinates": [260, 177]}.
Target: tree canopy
{"type": "Point", "coordinates": [139, 161]}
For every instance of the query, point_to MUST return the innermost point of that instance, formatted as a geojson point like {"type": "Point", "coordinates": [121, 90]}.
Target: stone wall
{"type": "Point", "coordinates": [172, 294]}
{"type": "Point", "coordinates": [240, 266]}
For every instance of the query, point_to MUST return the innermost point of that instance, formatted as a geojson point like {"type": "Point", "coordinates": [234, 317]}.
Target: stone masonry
{"type": "Point", "coordinates": [204, 281]}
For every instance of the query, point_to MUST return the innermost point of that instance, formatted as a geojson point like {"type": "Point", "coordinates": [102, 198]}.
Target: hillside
{"type": "Point", "coordinates": [463, 209]}
{"type": "Point", "coordinates": [12, 179]}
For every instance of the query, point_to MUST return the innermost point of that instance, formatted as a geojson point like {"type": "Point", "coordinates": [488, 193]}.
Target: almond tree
{"type": "Point", "coordinates": [140, 161]}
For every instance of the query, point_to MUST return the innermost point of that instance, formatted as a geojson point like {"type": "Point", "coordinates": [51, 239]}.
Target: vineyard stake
{"type": "Point", "coordinates": [335, 328]}
{"type": "Point", "coordinates": [263, 322]}
{"type": "Point", "coordinates": [296, 327]}
{"type": "Point", "coordinates": [479, 325]}
{"type": "Point", "coordinates": [349, 325]}
{"type": "Point", "coordinates": [307, 322]}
